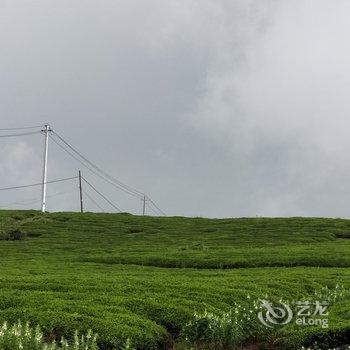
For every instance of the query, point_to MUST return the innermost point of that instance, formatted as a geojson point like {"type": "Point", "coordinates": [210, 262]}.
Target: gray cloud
{"type": "Point", "coordinates": [214, 108]}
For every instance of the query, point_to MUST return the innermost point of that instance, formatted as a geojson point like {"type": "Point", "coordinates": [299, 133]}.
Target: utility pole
{"type": "Point", "coordinates": [144, 206]}
{"type": "Point", "coordinates": [46, 131]}
{"type": "Point", "coordinates": [81, 194]}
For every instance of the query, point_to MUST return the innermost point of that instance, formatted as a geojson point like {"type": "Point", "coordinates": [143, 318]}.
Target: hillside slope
{"type": "Point", "coordinates": [143, 278]}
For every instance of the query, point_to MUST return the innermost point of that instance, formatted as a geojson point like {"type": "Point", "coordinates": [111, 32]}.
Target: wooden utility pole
{"type": "Point", "coordinates": [144, 206]}
{"type": "Point", "coordinates": [81, 194]}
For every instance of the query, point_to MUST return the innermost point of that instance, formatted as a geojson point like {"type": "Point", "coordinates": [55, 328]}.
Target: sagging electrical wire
{"type": "Point", "coordinates": [101, 173]}
{"type": "Point", "coordinates": [21, 134]}
{"type": "Point", "coordinates": [37, 184]}
{"type": "Point", "coordinates": [103, 196]}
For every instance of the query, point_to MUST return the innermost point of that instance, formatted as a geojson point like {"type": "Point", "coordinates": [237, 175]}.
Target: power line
{"type": "Point", "coordinates": [153, 210]}
{"type": "Point", "coordinates": [23, 128]}
{"type": "Point", "coordinates": [92, 200]}
{"type": "Point", "coordinates": [92, 170]}
{"type": "Point", "coordinates": [81, 159]}
{"type": "Point", "coordinates": [104, 197]}
{"type": "Point", "coordinates": [155, 205]}
{"type": "Point", "coordinates": [151, 206]}
{"type": "Point", "coordinates": [127, 187]}
{"type": "Point", "coordinates": [104, 175]}
{"type": "Point", "coordinates": [25, 202]}
{"type": "Point", "coordinates": [21, 134]}
{"type": "Point", "coordinates": [37, 184]}
{"type": "Point", "coordinates": [62, 193]}
{"type": "Point", "coordinates": [35, 200]}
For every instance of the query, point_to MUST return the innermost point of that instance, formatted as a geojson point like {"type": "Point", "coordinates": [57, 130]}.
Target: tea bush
{"type": "Point", "coordinates": [13, 235]}
{"type": "Point", "coordinates": [94, 271]}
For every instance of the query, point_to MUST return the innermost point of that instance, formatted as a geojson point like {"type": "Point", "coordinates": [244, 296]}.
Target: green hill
{"type": "Point", "coordinates": [143, 278]}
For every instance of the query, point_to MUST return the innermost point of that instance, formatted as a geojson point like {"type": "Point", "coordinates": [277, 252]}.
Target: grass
{"type": "Point", "coordinates": [144, 278]}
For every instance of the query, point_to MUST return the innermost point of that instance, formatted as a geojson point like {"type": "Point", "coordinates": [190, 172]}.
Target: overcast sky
{"type": "Point", "coordinates": [218, 108]}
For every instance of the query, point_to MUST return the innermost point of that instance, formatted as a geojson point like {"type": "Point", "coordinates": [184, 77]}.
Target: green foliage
{"type": "Point", "coordinates": [241, 325]}
{"type": "Point", "coordinates": [13, 235]}
{"type": "Point", "coordinates": [19, 337]}
{"type": "Point", "coordinates": [225, 330]}
{"type": "Point", "coordinates": [137, 281]}
{"type": "Point", "coordinates": [16, 235]}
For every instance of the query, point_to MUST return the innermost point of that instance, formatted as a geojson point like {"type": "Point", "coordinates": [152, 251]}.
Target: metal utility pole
{"type": "Point", "coordinates": [81, 194]}
{"type": "Point", "coordinates": [144, 206]}
{"type": "Point", "coordinates": [46, 131]}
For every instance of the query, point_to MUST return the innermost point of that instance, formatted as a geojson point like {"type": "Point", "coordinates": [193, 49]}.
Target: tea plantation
{"type": "Point", "coordinates": [141, 279]}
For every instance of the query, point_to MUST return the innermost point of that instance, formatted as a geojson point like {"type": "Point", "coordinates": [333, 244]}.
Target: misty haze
{"type": "Point", "coordinates": [213, 108]}
{"type": "Point", "coordinates": [174, 175]}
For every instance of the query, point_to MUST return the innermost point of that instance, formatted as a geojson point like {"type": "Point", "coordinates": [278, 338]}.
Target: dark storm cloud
{"type": "Point", "coordinates": [215, 108]}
